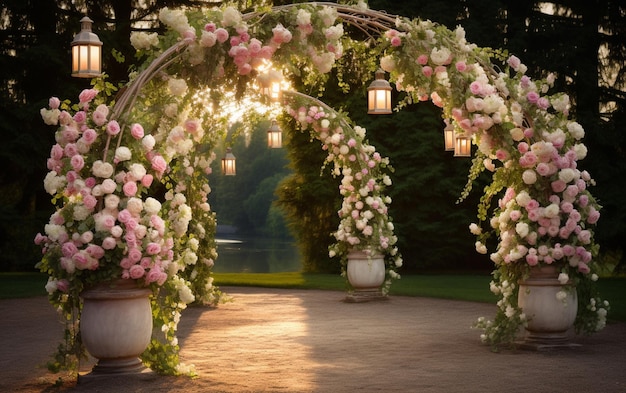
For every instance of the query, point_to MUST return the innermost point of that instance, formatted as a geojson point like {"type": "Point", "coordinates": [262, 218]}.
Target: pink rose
{"type": "Point", "coordinates": [80, 117]}
{"type": "Point", "coordinates": [113, 128]}
{"type": "Point", "coordinates": [583, 268]}
{"type": "Point", "coordinates": [109, 243]}
{"type": "Point", "coordinates": [90, 201]}
{"type": "Point", "coordinates": [136, 271]}
{"type": "Point", "coordinates": [63, 285]}
{"type": "Point", "coordinates": [130, 188]}
{"type": "Point", "coordinates": [514, 62]}
{"type": "Point", "coordinates": [158, 163]}
{"type": "Point", "coordinates": [136, 130]}
{"type": "Point", "coordinates": [532, 97]}
{"type": "Point", "coordinates": [146, 180]}
{"type": "Point", "coordinates": [593, 216]}
{"type": "Point", "coordinates": [54, 103]}
{"type": "Point", "coordinates": [461, 66]}
{"type": "Point", "coordinates": [95, 251]}
{"type": "Point", "coordinates": [77, 162]}
{"type": "Point", "coordinates": [209, 27]}
{"type": "Point", "coordinates": [134, 254]}
{"type": "Point", "coordinates": [89, 136]}
{"type": "Point", "coordinates": [427, 71]}
{"type": "Point", "coordinates": [99, 117]}
{"type": "Point", "coordinates": [68, 249]}
{"type": "Point", "coordinates": [532, 259]}
{"type": "Point", "coordinates": [153, 248]}
{"type": "Point", "coordinates": [422, 59]}
{"type": "Point", "coordinates": [87, 95]}
{"type": "Point", "coordinates": [221, 34]}
{"type": "Point", "coordinates": [124, 216]}
{"type": "Point", "coordinates": [558, 186]}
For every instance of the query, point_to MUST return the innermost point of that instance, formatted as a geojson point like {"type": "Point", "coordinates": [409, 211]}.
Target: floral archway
{"type": "Point", "coordinates": [128, 172]}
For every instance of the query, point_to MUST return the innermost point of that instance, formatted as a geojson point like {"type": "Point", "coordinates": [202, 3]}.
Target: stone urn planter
{"type": "Point", "coordinates": [116, 326]}
{"type": "Point", "coordinates": [366, 274]}
{"type": "Point", "coordinates": [550, 319]}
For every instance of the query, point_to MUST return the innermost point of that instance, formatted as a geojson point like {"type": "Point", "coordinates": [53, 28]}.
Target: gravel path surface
{"type": "Point", "coordinates": [274, 340]}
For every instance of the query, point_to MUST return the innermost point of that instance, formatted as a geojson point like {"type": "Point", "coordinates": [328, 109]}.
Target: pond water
{"type": "Point", "coordinates": [256, 255]}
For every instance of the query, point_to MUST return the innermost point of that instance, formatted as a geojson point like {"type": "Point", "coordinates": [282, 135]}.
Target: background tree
{"type": "Point", "coordinates": [580, 41]}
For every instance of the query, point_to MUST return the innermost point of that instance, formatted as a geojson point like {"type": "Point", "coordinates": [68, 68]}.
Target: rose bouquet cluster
{"type": "Point", "coordinates": [102, 223]}
{"type": "Point", "coordinates": [365, 223]}
{"type": "Point", "coordinates": [545, 213]}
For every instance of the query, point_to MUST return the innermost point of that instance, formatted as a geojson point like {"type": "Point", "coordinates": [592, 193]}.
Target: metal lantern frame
{"type": "Point", "coordinates": [86, 52]}
{"type": "Point", "coordinates": [274, 136]}
{"type": "Point", "coordinates": [379, 95]}
{"type": "Point", "coordinates": [229, 165]}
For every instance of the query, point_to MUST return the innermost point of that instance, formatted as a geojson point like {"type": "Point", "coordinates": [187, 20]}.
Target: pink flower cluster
{"type": "Point", "coordinates": [555, 231]}
{"type": "Point", "coordinates": [247, 53]}
{"type": "Point", "coordinates": [95, 221]}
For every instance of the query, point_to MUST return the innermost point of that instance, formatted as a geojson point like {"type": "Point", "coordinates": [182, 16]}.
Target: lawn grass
{"type": "Point", "coordinates": [468, 287]}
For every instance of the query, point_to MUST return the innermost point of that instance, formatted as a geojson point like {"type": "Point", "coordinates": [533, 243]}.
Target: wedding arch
{"type": "Point", "coordinates": [162, 127]}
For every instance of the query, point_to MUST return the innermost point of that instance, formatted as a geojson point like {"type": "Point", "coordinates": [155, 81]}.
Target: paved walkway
{"type": "Point", "coordinates": [273, 340]}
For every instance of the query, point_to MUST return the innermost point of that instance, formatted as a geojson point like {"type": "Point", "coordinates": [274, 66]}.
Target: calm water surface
{"type": "Point", "coordinates": [256, 255]}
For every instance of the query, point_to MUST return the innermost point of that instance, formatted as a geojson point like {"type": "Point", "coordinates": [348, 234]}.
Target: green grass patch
{"type": "Point", "coordinates": [470, 287]}
{"type": "Point", "coordinates": [19, 285]}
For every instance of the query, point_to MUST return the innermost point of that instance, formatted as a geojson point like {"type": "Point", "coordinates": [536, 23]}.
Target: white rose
{"type": "Point", "coordinates": [134, 205]}
{"type": "Point", "coordinates": [551, 211]}
{"type": "Point", "coordinates": [522, 198]}
{"type": "Point", "coordinates": [581, 151]}
{"type": "Point", "coordinates": [231, 17]}
{"type": "Point", "coordinates": [102, 169]}
{"type": "Point", "coordinates": [208, 39]}
{"type": "Point", "coordinates": [387, 63]}
{"type": "Point", "coordinates": [80, 213]}
{"type": "Point", "coordinates": [567, 175]}
{"type": "Point", "coordinates": [137, 171]}
{"type": "Point", "coordinates": [177, 87]}
{"type": "Point", "coordinates": [475, 229]}
{"type": "Point", "coordinates": [123, 153]}
{"type": "Point", "coordinates": [576, 130]}
{"type": "Point", "coordinates": [152, 206]}
{"type": "Point", "coordinates": [517, 134]}
{"type": "Point", "coordinates": [50, 116]}
{"type": "Point", "coordinates": [521, 228]}
{"type": "Point", "coordinates": [141, 40]}
{"type": "Point", "coordinates": [529, 176]}
{"type": "Point", "coordinates": [440, 56]}
{"type": "Point", "coordinates": [52, 183]}
{"type": "Point", "coordinates": [148, 142]}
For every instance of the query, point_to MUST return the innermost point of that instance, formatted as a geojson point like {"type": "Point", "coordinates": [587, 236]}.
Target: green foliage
{"type": "Point", "coordinates": [310, 201]}
{"type": "Point", "coordinates": [245, 200]}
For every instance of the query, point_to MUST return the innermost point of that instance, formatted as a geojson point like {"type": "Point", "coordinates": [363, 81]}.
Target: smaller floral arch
{"type": "Point", "coordinates": [114, 150]}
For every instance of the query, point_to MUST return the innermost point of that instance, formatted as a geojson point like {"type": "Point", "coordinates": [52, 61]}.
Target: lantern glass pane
{"type": "Point", "coordinates": [448, 135]}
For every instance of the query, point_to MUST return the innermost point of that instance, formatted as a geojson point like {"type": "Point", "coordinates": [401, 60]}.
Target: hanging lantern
{"type": "Point", "coordinates": [270, 84]}
{"type": "Point", "coordinates": [448, 137]}
{"type": "Point", "coordinates": [228, 163]}
{"type": "Point", "coordinates": [379, 95]}
{"type": "Point", "coordinates": [462, 146]}
{"type": "Point", "coordinates": [86, 52]}
{"type": "Point", "coordinates": [274, 136]}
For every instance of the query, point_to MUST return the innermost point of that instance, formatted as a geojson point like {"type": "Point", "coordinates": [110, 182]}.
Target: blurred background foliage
{"type": "Point", "coordinates": [279, 192]}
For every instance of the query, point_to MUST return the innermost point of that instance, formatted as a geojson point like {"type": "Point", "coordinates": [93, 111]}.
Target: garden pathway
{"type": "Point", "coordinates": [276, 340]}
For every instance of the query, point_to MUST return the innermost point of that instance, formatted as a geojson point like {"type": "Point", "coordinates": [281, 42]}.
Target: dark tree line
{"type": "Point", "coordinates": [581, 41]}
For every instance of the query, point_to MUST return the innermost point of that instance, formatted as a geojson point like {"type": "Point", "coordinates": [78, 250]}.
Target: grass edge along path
{"type": "Point", "coordinates": [466, 287]}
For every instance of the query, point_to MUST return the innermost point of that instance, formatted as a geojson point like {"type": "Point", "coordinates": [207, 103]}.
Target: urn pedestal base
{"type": "Point", "coordinates": [550, 307]}
{"type": "Point", "coordinates": [116, 326]}
{"type": "Point", "coordinates": [366, 274]}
